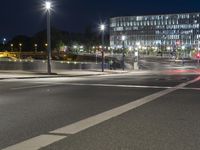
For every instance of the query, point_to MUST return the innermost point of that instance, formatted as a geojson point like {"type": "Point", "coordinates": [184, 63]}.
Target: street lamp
{"type": "Point", "coordinates": [11, 45]}
{"type": "Point", "coordinates": [138, 48]}
{"type": "Point", "coordinates": [123, 57]}
{"type": "Point", "coordinates": [75, 49]}
{"type": "Point", "coordinates": [102, 29]}
{"type": "Point", "coordinates": [35, 48]}
{"type": "Point", "coordinates": [183, 53]}
{"type": "Point", "coordinates": [81, 48]}
{"type": "Point", "coordinates": [48, 6]}
{"type": "Point", "coordinates": [198, 52]}
{"type": "Point", "coordinates": [20, 47]}
{"type": "Point", "coordinates": [168, 48]}
{"type": "Point", "coordinates": [20, 50]}
{"type": "Point", "coordinates": [4, 41]}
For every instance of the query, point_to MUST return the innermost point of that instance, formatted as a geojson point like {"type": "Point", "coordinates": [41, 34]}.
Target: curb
{"type": "Point", "coordinates": [58, 76]}
{"type": "Point", "coordinates": [43, 77]}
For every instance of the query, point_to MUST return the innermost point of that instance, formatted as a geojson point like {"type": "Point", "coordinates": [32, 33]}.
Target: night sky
{"type": "Point", "coordinates": [27, 17]}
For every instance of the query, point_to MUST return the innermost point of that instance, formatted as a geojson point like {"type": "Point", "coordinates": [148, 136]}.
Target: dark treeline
{"type": "Point", "coordinates": [59, 38]}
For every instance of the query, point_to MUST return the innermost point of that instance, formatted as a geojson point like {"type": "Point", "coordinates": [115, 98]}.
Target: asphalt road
{"type": "Point", "coordinates": [33, 107]}
{"type": "Point", "coordinates": [159, 63]}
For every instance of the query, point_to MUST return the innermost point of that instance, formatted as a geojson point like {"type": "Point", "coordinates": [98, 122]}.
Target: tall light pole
{"type": "Point", "coordinates": [198, 52]}
{"type": "Point", "coordinates": [35, 48]}
{"type": "Point", "coordinates": [20, 50]}
{"type": "Point", "coordinates": [183, 53]}
{"type": "Point", "coordinates": [4, 42]}
{"type": "Point", "coordinates": [130, 49]}
{"type": "Point", "coordinates": [75, 47]}
{"type": "Point", "coordinates": [138, 48]}
{"type": "Point", "coordinates": [11, 45]}
{"type": "Point", "coordinates": [123, 53]}
{"type": "Point", "coordinates": [102, 28]}
{"type": "Point", "coordinates": [48, 6]}
{"type": "Point", "coordinates": [138, 53]}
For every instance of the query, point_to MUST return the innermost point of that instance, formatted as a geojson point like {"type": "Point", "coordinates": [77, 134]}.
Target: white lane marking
{"type": "Point", "coordinates": [29, 87]}
{"type": "Point", "coordinates": [44, 140]}
{"type": "Point", "coordinates": [94, 120]}
{"type": "Point", "coordinates": [133, 86]}
{"type": "Point", "coordinates": [48, 84]}
{"type": "Point", "coordinates": [97, 119]}
{"type": "Point", "coordinates": [36, 142]}
{"type": "Point", "coordinates": [117, 85]}
{"type": "Point", "coordinates": [188, 88]}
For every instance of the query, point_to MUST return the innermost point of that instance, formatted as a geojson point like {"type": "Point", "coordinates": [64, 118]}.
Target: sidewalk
{"type": "Point", "coordinates": [18, 74]}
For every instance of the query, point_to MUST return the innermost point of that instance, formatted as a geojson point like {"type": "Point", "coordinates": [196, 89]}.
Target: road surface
{"type": "Point", "coordinates": [112, 112]}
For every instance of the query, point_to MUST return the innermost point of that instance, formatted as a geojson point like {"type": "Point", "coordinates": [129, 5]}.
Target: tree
{"type": "Point", "coordinates": [58, 37]}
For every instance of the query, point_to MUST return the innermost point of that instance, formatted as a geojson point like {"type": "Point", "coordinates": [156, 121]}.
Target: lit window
{"type": "Point", "coordinates": [155, 22]}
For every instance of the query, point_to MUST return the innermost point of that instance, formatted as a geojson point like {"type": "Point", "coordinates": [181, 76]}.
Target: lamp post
{"type": "Point", "coordinates": [102, 28]}
{"type": "Point", "coordinates": [81, 49]}
{"type": "Point", "coordinates": [137, 53]}
{"type": "Point", "coordinates": [48, 6]}
{"type": "Point", "coordinates": [4, 42]}
{"type": "Point", "coordinates": [20, 50]}
{"type": "Point", "coordinates": [96, 53]}
{"type": "Point", "coordinates": [123, 53]}
{"type": "Point", "coordinates": [20, 47]}
{"type": "Point", "coordinates": [11, 45]}
{"type": "Point", "coordinates": [130, 49]}
{"type": "Point", "coordinates": [75, 49]}
{"type": "Point", "coordinates": [183, 53]}
{"type": "Point", "coordinates": [35, 48]}
{"type": "Point", "coordinates": [198, 52]}
{"type": "Point", "coordinates": [138, 48]}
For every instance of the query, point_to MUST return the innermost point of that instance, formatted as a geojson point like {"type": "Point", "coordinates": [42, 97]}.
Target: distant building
{"type": "Point", "coordinates": [159, 31]}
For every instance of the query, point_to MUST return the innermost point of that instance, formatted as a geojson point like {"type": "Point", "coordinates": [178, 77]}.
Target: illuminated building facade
{"type": "Point", "coordinates": [161, 31]}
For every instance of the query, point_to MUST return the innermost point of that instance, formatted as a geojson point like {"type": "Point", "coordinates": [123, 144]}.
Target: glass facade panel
{"type": "Point", "coordinates": [156, 30]}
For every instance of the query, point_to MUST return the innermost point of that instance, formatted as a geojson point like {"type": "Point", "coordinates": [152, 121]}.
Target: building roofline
{"type": "Point", "coordinates": [183, 13]}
